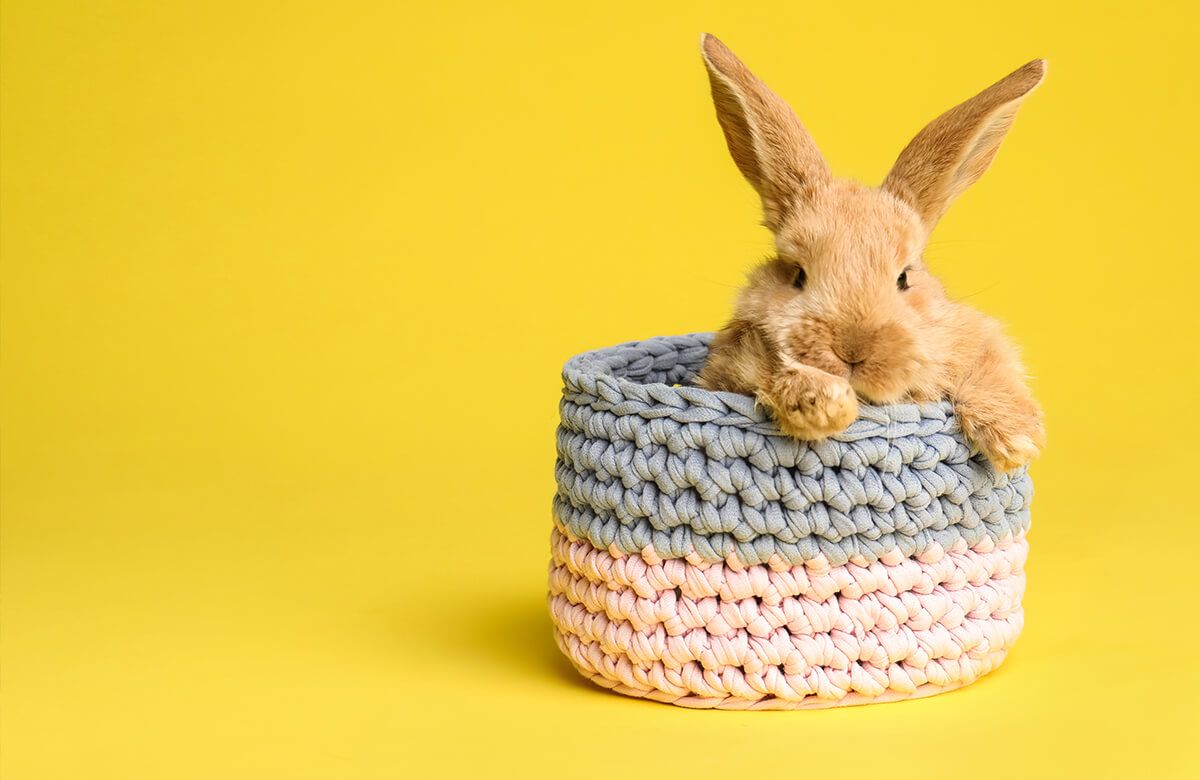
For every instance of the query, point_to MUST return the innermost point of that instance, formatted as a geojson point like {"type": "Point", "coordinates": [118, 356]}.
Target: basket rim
{"type": "Point", "coordinates": [595, 374]}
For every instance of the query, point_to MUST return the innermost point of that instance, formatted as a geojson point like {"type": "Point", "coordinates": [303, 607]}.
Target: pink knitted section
{"type": "Point", "coordinates": [784, 637]}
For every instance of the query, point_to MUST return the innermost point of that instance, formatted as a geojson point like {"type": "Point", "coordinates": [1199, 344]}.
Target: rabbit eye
{"type": "Point", "coordinates": [902, 280]}
{"type": "Point", "coordinates": [800, 279]}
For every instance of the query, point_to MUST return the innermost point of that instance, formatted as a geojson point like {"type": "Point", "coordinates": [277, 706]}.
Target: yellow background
{"type": "Point", "coordinates": [286, 292]}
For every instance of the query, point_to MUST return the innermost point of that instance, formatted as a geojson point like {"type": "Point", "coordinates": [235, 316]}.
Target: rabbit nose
{"type": "Point", "coordinates": [851, 346]}
{"type": "Point", "coordinates": [850, 357]}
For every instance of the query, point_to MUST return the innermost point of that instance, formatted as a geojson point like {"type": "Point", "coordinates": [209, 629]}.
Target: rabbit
{"type": "Point", "coordinates": [847, 309]}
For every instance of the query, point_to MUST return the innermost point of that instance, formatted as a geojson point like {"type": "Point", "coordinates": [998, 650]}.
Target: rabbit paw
{"type": "Point", "coordinates": [811, 404]}
{"type": "Point", "coordinates": [1008, 442]}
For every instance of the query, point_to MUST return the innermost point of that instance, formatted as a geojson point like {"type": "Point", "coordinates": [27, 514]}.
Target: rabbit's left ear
{"type": "Point", "coordinates": [954, 150]}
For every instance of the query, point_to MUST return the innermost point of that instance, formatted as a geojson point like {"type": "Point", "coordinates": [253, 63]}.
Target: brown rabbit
{"type": "Point", "coordinates": [847, 308]}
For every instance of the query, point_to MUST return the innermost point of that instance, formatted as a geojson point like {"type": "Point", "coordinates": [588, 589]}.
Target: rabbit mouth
{"type": "Point", "coordinates": [882, 382]}
{"type": "Point", "coordinates": [868, 391]}
{"type": "Point", "coordinates": [864, 375]}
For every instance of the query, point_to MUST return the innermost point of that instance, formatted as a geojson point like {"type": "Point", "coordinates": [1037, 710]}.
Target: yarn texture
{"type": "Point", "coordinates": [703, 558]}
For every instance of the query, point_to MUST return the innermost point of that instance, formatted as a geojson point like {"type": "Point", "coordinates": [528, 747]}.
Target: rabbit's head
{"type": "Point", "coordinates": [847, 291]}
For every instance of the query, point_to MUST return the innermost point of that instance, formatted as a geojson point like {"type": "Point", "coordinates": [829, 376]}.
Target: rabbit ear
{"type": "Point", "coordinates": [954, 150]}
{"type": "Point", "coordinates": [768, 143]}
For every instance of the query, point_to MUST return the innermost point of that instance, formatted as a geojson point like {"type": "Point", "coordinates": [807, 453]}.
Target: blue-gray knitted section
{"type": "Point", "coordinates": [642, 461]}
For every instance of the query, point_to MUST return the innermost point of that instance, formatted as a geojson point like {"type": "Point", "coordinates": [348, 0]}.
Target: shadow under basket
{"type": "Point", "coordinates": [701, 557]}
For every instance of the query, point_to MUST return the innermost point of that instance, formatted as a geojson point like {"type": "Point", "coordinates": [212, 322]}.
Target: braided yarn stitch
{"type": "Point", "coordinates": [703, 558]}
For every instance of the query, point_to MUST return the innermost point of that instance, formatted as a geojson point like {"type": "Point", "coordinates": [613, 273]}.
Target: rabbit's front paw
{"type": "Point", "coordinates": [811, 404]}
{"type": "Point", "coordinates": [1008, 441]}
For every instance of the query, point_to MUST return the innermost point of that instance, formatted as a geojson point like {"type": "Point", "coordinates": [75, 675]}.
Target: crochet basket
{"type": "Point", "coordinates": [702, 558]}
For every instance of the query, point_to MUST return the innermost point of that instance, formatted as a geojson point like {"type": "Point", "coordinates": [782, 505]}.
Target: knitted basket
{"type": "Point", "coordinates": [701, 557]}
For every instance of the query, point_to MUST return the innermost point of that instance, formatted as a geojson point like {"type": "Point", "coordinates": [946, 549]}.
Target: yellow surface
{"type": "Point", "coordinates": [286, 292]}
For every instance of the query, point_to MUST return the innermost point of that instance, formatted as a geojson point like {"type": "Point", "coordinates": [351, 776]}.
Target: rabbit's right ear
{"type": "Point", "coordinates": [770, 146]}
